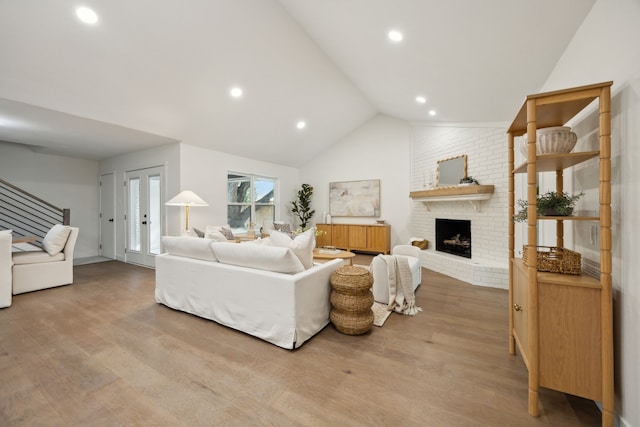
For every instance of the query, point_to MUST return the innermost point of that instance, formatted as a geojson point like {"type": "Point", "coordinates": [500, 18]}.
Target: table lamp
{"type": "Point", "coordinates": [186, 198]}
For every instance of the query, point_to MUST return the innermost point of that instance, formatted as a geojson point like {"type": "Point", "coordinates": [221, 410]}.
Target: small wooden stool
{"type": "Point", "coordinates": [351, 299]}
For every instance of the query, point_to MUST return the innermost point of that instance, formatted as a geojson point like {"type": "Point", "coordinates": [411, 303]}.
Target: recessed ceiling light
{"type": "Point", "coordinates": [432, 112]}
{"type": "Point", "coordinates": [236, 92]}
{"type": "Point", "coordinates": [86, 15]}
{"type": "Point", "coordinates": [421, 99]}
{"type": "Point", "coordinates": [395, 36]}
{"type": "Point", "coordinates": [301, 124]}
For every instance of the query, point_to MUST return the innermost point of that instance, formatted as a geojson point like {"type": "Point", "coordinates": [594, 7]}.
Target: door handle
{"type": "Point", "coordinates": [110, 219]}
{"type": "Point", "coordinates": [144, 222]}
{"type": "Point", "coordinates": [517, 307]}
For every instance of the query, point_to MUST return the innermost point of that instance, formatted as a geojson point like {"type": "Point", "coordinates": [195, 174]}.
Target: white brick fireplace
{"type": "Point", "coordinates": [486, 150]}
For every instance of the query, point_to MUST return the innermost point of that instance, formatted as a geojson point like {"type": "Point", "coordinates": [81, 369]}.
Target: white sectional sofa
{"type": "Point", "coordinates": [230, 283]}
{"type": "Point", "coordinates": [5, 268]}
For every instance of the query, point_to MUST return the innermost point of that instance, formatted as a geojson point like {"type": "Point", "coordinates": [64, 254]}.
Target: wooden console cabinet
{"type": "Point", "coordinates": [562, 324]}
{"type": "Point", "coordinates": [357, 237]}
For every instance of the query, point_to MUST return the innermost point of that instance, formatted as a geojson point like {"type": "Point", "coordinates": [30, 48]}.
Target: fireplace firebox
{"type": "Point", "coordinates": [453, 236]}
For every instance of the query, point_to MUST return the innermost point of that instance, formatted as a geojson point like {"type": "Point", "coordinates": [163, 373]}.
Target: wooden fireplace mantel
{"type": "Point", "coordinates": [473, 194]}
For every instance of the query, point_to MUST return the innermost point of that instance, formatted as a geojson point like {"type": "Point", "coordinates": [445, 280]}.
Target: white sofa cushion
{"type": "Point", "coordinates": [302, 245]}
{"type": "Point", "coordinates": [35, 257]}
{"type": "Point", "coordinates": [191, 247]}
{"type": "Point", "coordinates": [262, 257]}
{"type": "Point", "coordinates": [55, 239]}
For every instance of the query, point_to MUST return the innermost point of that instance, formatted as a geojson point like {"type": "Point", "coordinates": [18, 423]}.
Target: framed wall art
{"type": "Point", "coordinates": [355, 198]}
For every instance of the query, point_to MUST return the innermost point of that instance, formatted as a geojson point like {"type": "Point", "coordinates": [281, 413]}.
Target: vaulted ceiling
{"type": "Point", "coordinates": [152, 72]}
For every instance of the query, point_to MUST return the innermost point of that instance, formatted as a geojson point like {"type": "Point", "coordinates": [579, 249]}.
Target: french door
{"type": "Point", "coordinates": [145, 189]}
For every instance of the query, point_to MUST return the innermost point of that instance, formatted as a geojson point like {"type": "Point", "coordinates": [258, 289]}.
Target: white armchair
{"type": "Point", "coordinates": [34, 270]}
{"type": "Point", "coordinates": [5, 268]}
{"type": "Point", "coordinates": [380, 275]}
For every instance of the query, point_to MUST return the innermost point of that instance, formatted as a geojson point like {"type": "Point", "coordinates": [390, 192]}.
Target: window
{"type": "Point", "coordinates": [250, 200]}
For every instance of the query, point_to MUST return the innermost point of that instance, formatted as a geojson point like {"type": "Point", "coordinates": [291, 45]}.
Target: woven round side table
{"type": "Point", "coordinates": [351, 300]}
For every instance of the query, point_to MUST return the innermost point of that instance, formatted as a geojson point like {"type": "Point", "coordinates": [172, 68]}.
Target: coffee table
{"type": "Point", "coordinates": [319, 253]}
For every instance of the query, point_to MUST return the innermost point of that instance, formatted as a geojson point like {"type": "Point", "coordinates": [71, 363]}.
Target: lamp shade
{"type": "Point", "coordinates": [186, 198]}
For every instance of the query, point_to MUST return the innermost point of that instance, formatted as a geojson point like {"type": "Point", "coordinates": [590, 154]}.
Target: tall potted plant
{"type": "Point", "coordinates": [301, 207]}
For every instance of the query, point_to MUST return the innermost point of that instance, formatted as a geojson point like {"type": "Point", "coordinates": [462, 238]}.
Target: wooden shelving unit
{"type": "Point", "coordinates": [562, 324]}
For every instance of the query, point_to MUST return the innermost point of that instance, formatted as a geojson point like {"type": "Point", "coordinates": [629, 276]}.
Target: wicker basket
{"type": "Point", "coordinates": [351, 280]}
{"type": "Point", "coordinates": [350, 324]}
{"type": "Point", "coordinates": [351, 300]}
{"type": "Point", "coordinates": [351, 303]}
{"type": "Point", "coordinates": [422, 244]}
{"type": "Point", "coordinates": [555, 260]}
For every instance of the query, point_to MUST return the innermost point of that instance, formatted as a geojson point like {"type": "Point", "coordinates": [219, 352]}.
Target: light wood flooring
{"type": "Point", "coordinates": [102, 352]}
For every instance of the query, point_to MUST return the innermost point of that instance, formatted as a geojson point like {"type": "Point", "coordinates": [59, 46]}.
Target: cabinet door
{"type": "Point", "coordinates": [521, 309]}
{"type": "Point", "coordinates": [379, 238]}
{"type": "Point", "coordinates": [358, 237]}
{"type": "Point", "coordinates": [325, 238]}
{"type": "Point", "coordinates": [340, 236]}
{"type": "Point", "coordinates": [570, 344]}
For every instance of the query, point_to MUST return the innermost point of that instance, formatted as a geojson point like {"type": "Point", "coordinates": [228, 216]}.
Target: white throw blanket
{"type": "Point", "coordinates": [401, 296]}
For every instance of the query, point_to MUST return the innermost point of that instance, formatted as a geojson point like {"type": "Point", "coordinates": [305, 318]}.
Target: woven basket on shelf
{"type": "Point", "coordinates": [351, 300]}
{"type": "Point", "coordinates": [553, 259]}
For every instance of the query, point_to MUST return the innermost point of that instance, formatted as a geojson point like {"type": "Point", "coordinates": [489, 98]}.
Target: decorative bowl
{"type": "Point", "coordinates": [557, 139]}
{"type": "Point", "coordinates": [380, 221]}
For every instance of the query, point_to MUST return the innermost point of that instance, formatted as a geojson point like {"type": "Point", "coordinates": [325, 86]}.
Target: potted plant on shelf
{"type": "Point", "coordinates": [549, 204]}
{"type": "Point", "coordinates": [301, 207]}
{"type": "Point", "coordinates": [468, 180]}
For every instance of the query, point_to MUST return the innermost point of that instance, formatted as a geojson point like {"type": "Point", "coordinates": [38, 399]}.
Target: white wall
{"type": "Point", "coordinates": [606, 48]}
{"type": "Point", "coordinates": [486, 149]}
{"type": "Point", "coordinates": [167, 156]}
{"type": "Point", "coordinates": [205, 173]}
{"type": "Point", "coordinates": [65, 182]}
{"type": "Point", "coordinates": [379, 149]}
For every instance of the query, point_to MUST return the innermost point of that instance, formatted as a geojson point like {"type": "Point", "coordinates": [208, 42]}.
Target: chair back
{"type": "Point", "coordinates": [406, 250]}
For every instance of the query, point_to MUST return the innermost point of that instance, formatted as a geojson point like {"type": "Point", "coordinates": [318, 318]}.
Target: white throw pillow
{"type": "Point", "coordinates": [302, 245]}
{"type": "Point", "coordinates": [225, 230]}
{"type": "Point", "coordinates": [187, 246]}
{"type": "Point", "coordinates": [261, 257]}
{"type": "Point", "coordinates": [5, 232]}
{"type": "Point", "coordinates": [53, 243]}
{"type": "Point", "coordinates": [216, 236]}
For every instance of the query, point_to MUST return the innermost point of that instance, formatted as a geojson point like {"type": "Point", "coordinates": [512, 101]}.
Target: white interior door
{"type": "Point", "coordinates": [144, 215]}
{"type": "Point", "coordinates": [107, 216]}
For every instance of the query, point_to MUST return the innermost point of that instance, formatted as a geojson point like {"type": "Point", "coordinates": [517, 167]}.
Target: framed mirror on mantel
{"type": "Point", "coordinates": [451, 171]}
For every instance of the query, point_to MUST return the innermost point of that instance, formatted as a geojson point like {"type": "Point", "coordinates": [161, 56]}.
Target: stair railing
{"type": "Point", "coordinates": [26, 214]}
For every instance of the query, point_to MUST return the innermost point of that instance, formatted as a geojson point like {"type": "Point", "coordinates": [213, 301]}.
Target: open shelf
{"type": "Point", "coordinates": [558, 162]}
{"type": "Point", "coordinates": [570, 218]}
{"type": "Point", "coordinates": [466, 190]}
{"type": "Point", "coordinates": [556, 108]}
{"type": "Point", "coordinates": [579, 280]}
{"type": "Point", "coordinates": [473, 194]}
